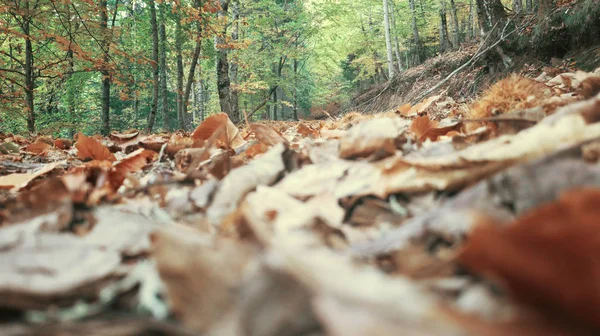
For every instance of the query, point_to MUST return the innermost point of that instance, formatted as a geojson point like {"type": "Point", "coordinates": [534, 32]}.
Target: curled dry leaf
{"type": "Point", "coordinates": [240, 181]}
{"type": "Point", "coordinates": [130, 164]}
{"type": "Point", "coordinates": [124, 137]}
{"type": "Point", "coordinates": [38, 147]}
{"type": "Point", "coordinates": [63, 143]}
{"type": "Point", "coordinates": [90, 148]}
{"type": "Point", "coordinates": [219, 122]}
{"type": "Point", "coordinates": [377, 135]}
{"type": "Point", "coordinates": [546, 258]}
{"type": "Point", "coordinates": [267, 135]}
{"type": "Point", "coordinates": [306, 130]}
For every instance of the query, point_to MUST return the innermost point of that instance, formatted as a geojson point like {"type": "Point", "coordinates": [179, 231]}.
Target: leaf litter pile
{"type": "Point", "coordinates": [435, 219]}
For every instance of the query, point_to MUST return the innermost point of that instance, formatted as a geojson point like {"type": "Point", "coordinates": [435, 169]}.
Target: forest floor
{"type": "Point", "coordinates": [438, 218]}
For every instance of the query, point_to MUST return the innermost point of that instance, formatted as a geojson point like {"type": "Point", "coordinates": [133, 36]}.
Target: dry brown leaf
{"type": "Point", "coordinates": [130, 164]}
{"type": "Point", "coordinates": [38, 147]}
{"type": "Point", "coordinates": [267, 135]}
{"type": "Point", "coordinates": [201, 274]}
{"type": "Point", "coordinates": [404, 109]}
{"type": "Point", "coordinates": [421, 107]}
{"type": "Point", "coordinates": [372, 136]}
{"type": "Point", "coordinates": [306, 130]}
{"type": "Point", "coordinates": [63, 143]}
{"type": "Point", "coordinates": [90, 148]}
{"type": "Point", "coordinates": [263, 170]}
{"type": "Point", "coordinates": [124, 137]}
{"type": "Point", "coordinates": [230, 133]}
{"type": "Point", "coordinates": [546, 258]}
{"type": "Point", "coordinates": [333, 134]}
{"type": "Point", "coordinates": [12, 180]}
{"type": "Point", "coordinates": [421, 126]}
{"type": "Point", "coordinates": [256, 149]}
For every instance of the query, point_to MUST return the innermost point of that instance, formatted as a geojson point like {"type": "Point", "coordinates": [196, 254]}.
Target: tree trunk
{"type": "Point", "coordinates": [105, 73]}
{"type": "Point", "coordinates": [155, 84]}
{"type": "Point", "coordinates": [163, 69]}
{"type": "Point", "coordinates": [178, 50]}
{"type": "Point", "coordinates": [445, 44]}
{"type": "Point", "coordinates": [396, 43]}
{"type": "Point", "coordinates": [29, 74]}
{"type": "Point", "coordinates": [471, 30]}
{"type": "Point", "coordinates": [233, 69]}
{"type": "Point", "coordinates": [491, 14]}
{"type": "Point", "coordinates": [388, 40]}
{"type": "Point", "coordinates": [529, 6]}
{"type": "Point", "coordinates": [223, 80]}
{"type": "Point", "coordinates": [296, 89]}
{"type": "Point", "coordinates": [455, 28]}
{"type": "Point", "coordinates": [415, 31]}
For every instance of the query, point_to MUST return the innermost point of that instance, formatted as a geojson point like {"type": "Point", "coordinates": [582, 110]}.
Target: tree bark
{"type": "Point", "coordinates": [388, 40]}
{"type": "Point", "coordinates": [396, 43]}
{"type": "Point", "coordinates": [445, 44]}
{"type": "Point", "coordinates": [471, 30]}
{"type": "Point", "coordinates": [275, 109]}
{"type": "Point", "coordinates": [529, 6]}
{"type": "Point", "coordinates": [179, 57]}
{"type": "Point", "coordinates": [517, 6]}
{"type": "Point", "coordinates": [233, 69]}
{"type": "Point", "coordinates": [455, 28]}
{"type": "Point", "coordinates": [105, 73]}
{"type": "Point", "coordinates": [29, 74]}
{"type": "Point", "coordinates": [296, 89]}
{"type": "Point", "coordinates": [155, 84]}
{"type": "Point", "coordinates": [223, 79]}
{"type": "Point", "coordinates": [163, 69]}
{"type": "Point", "coordinates": [415, 32]}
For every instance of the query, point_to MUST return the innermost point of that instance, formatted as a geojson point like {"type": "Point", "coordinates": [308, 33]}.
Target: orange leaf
{"type": "Point", "coordinates": [63, 143]}
{"type": "Point", "coordinates": [219, 123]}
{"type": "Point", "coordinates": [38, 147]}
{"type": "Point", "coordinates": [130, 164]}
{"type": "Point", "coordinates": [267, 135]}
{"type": "Point", "coordinates": [90, 148]}
{"type": "Point", "coordinates": [421, 126]}
{"type": "Point", "coordinates": [307, 131]}
{"type": "Point", "coordinates": [548, 258]}
{"type": "Point", "coordinates": [256, 149]}
{"type": "Point", "coordinates": [404, 109]}
{"type": "Point", "coordinates": [124, 137]}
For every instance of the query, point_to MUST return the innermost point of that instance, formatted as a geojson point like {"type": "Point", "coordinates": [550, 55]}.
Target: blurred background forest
{"type": "Point", "coordinates": [101, 65]}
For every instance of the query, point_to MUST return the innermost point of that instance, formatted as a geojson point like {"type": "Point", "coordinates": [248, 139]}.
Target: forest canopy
{"type": "Point", "coordinates": [97, 66]}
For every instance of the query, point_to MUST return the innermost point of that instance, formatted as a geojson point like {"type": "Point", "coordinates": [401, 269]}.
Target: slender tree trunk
{"type": "Point", "coordinates": [29, 74]}
{"type": "Point", "coordinates": [529, 6]}
{"type": "Point", "coordinates": [396, 43]}
{"type": "Point", "coordinates": [163, 69]}
{"type": "Point", "coordinates": [415, 31]}
{"type": "Point", "coordinates": [295, 89]}
{"type": "Point", "coordinates": [455, 28]}
{"type": "Point", "coordinates": [445, 44]}
{"type": "Point", "coordinates": [223, 79]}
{"type": "Point", "coordinates": [471, 30]}
{"type": "Point", "coordinates": [178, 50]}
{"type": "Point", "coordinates": [388, 40]}
{"type": "Point", "coordinates": [105, 73]}
{"type": "Point", "coordinates": [155, 84]}
{"type": "Point", "coordinates": [233, 69]}
{"type": "Point", "coordinates": [275, 109]}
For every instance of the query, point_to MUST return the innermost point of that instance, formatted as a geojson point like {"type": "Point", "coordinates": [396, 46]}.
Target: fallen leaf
{"type": "Point", "coordinates": [371, 136]}
{"type": "Point", "coordinates": [130, 164]}
{"type": "Point", "coordinates": [124, 137]}
{"type": "Point", "coordinates": [230, 133]}
{"type": "Point", "coordinates": [89, 148]}
{"type": "Point", "coordinates": [240, 181]}
{"type": "Point", "coordinates": [421, 126]}
{"type": "Point", "coordinates": [404, 109]}
{"type": "Point", "coordinates": [12, 180]}
{"type": "Point", "coordinates": [307, 131]}
{"type": "Point", "coordinates": [63, 143]}
{"type": "Point", "coordinates": [267, 135]}
{"type": "Point", "coordinates": [546, 258]}
{"type": "Point", "coordinates": [38, 147]}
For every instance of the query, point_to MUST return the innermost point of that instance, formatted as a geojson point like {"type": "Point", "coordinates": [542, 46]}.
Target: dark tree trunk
{"type": "Point", "coordinates": [178, 48]}
{"type": "Point", "coordinates": [445, 44]}
{"type": "Point", "coordinates": [163, 70]}
{"type": "Point", "coordinates": [29, 75]}
{"type": "Point", "coordinates": [223, 79]}
{"type": "Point", "coordinates": [529, 6]}
{"type": "Point", "coordinates": [105, 73]}
{"type": "Point", "coordinates": [517, 6]}
{"type": "Point", "coordinates": [235, 109]}
{"type": "Point", "coordinates": [192, 71]}
{"type": "Point", "coordinates": [155, 84]}
{"type": "Point", "coordinates": [295, 89]}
